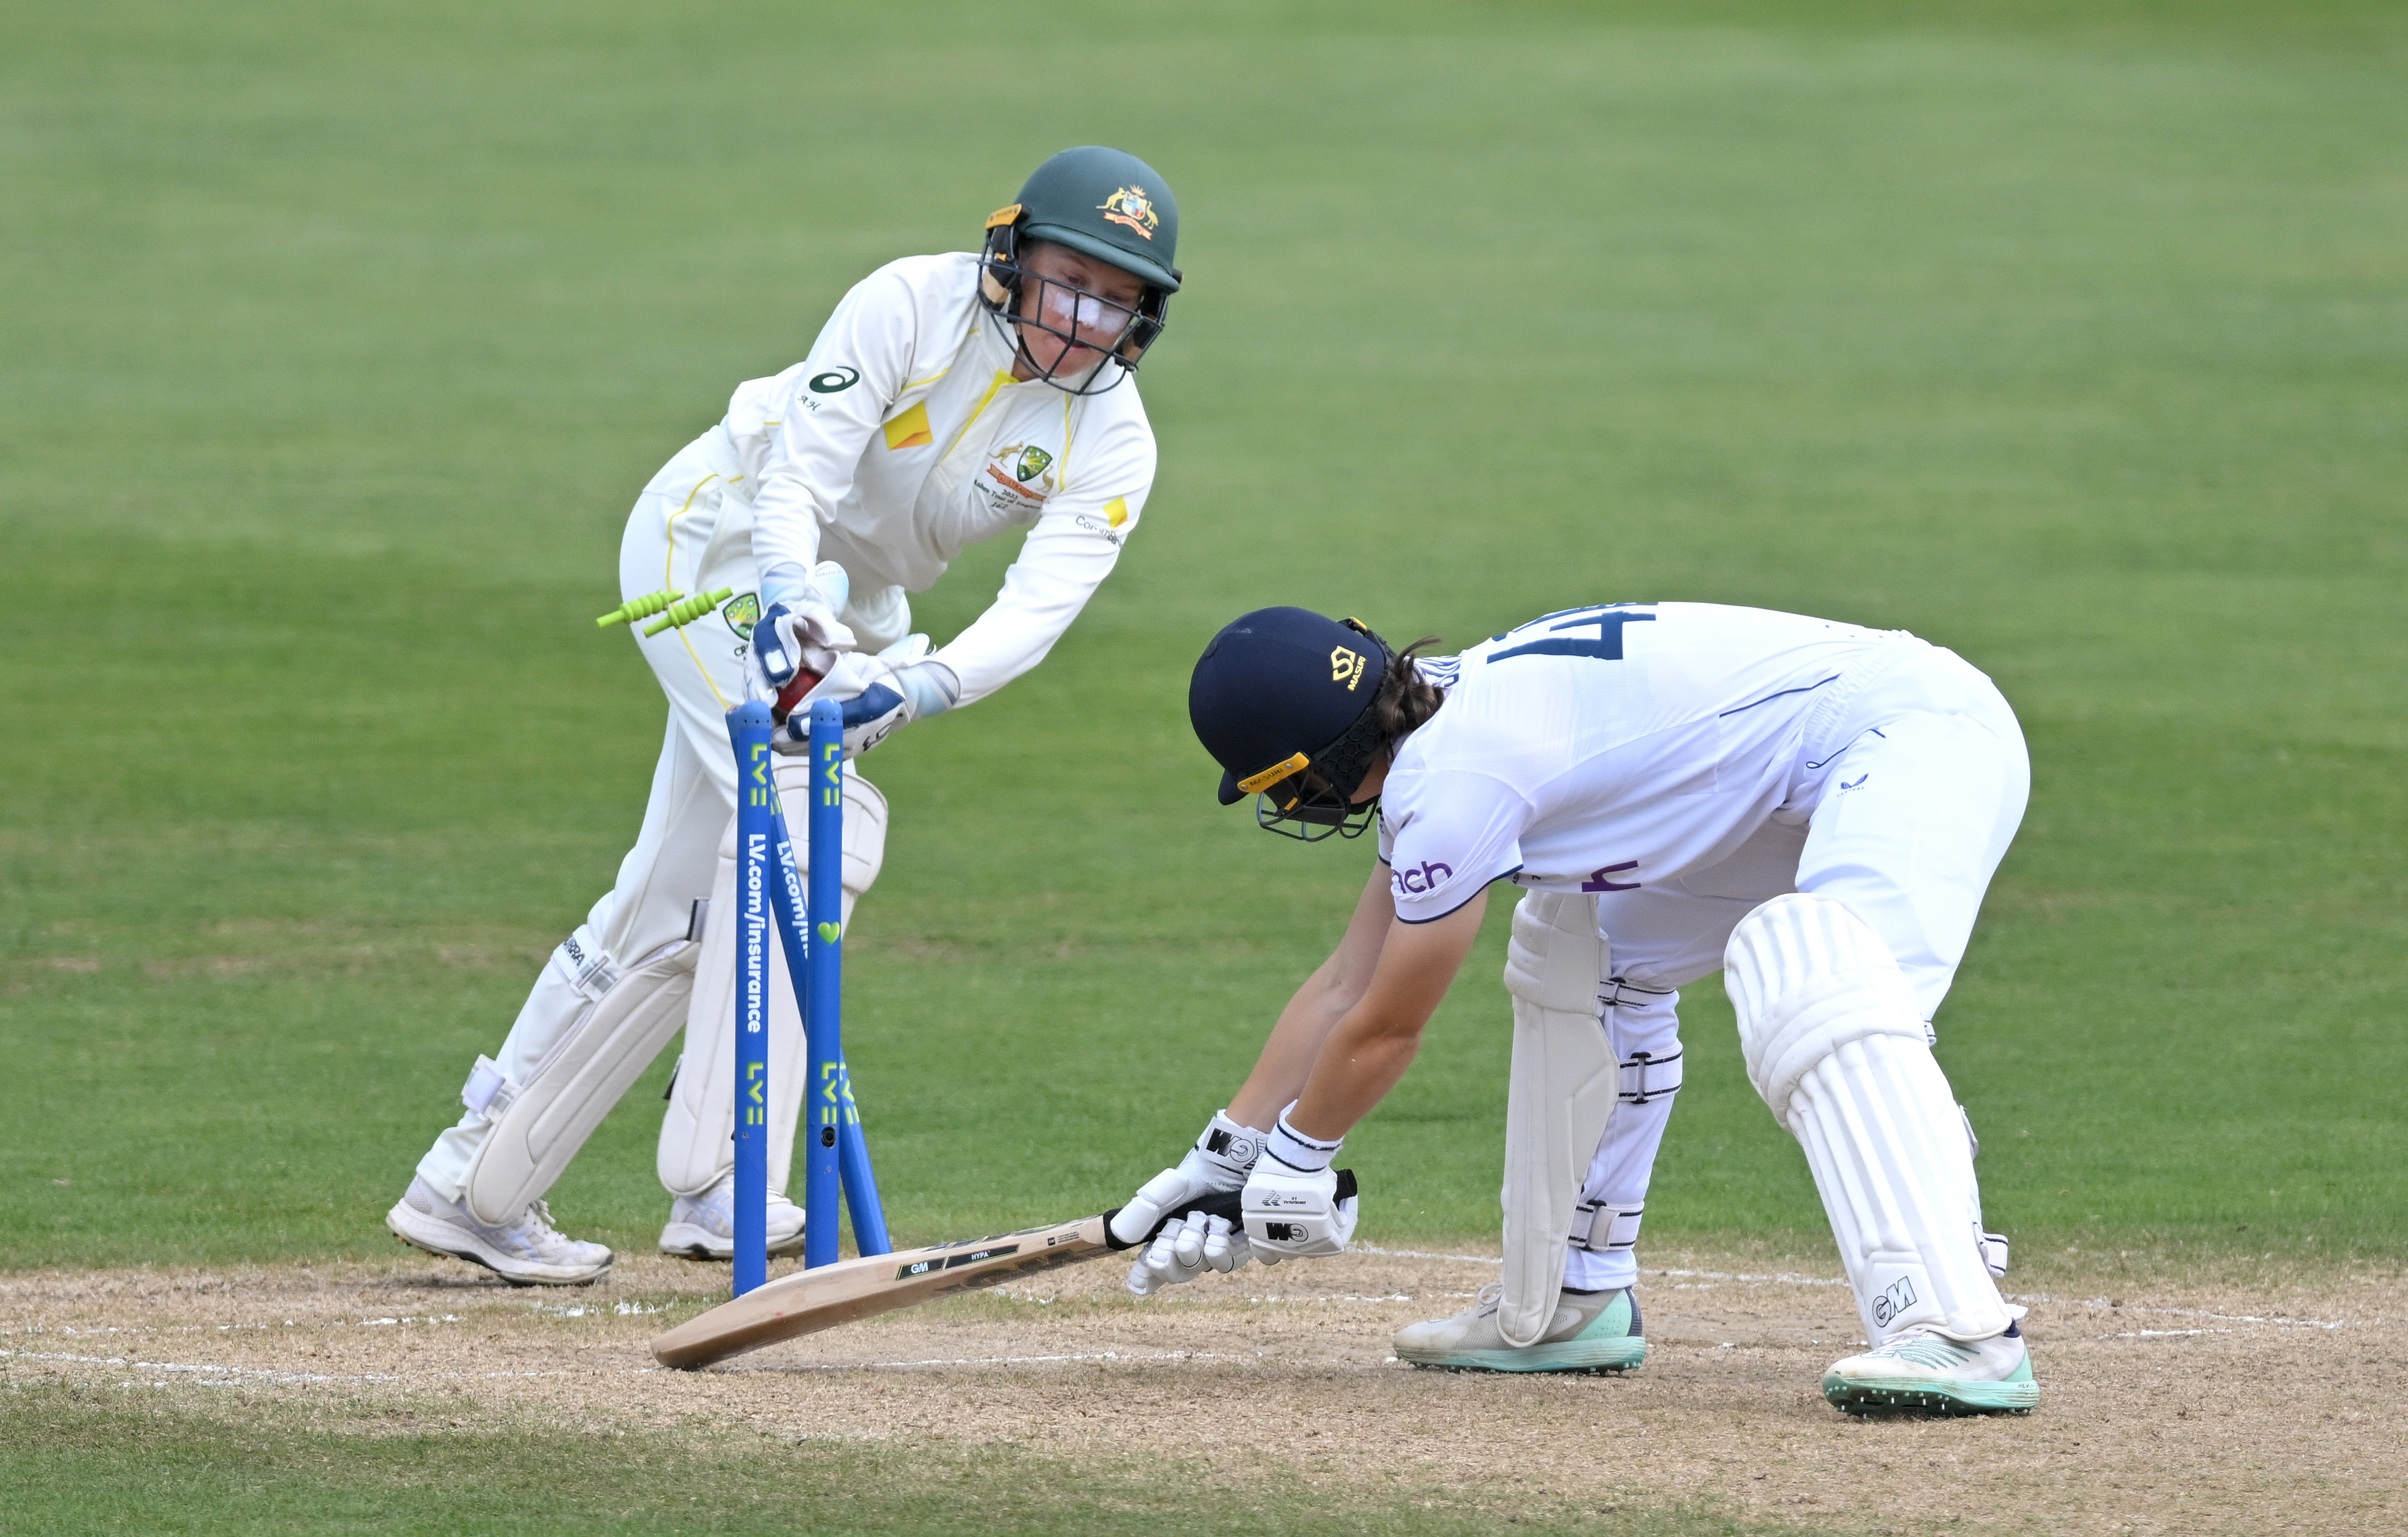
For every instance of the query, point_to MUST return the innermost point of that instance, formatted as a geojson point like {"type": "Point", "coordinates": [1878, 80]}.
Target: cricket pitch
{"type": "Point", "coordinates": [2168, 1406]}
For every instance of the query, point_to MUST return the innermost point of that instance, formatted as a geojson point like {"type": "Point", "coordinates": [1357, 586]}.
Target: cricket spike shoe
{"type": "Point", "coordinates": [528, 1252]}
{"type": "Point", "coordinates": [703, 1226]}
{"type": "Point", "coordinates": [1593, 1332]}
{"type": "Point", "coordinates": [1924, 1372]}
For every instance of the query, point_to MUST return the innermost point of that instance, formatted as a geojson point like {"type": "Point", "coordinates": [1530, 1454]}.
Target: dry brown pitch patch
{"type": "Point", "coordinates": [2167, 1406]}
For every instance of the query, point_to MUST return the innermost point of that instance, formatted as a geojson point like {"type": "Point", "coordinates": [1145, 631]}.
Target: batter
{"type": "Point", "coordinates": [1815, 808]}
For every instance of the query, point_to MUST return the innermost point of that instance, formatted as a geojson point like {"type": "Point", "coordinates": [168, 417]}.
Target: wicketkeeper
{"type": "Point", "coordinates": [949, 399]}
{"type": "Point", "coordinates": [1814, 807]}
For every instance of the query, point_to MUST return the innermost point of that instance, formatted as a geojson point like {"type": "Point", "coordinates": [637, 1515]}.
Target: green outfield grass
{"type": "Point", "coordinates": [338, 341]}
{"type": "Point", "coordinates": [86, 1461]}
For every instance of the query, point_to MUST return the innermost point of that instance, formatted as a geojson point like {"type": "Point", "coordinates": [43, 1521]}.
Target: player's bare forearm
{"type": "Point", "coordinates": [1374, 1041]}
{"type": "Point", "coordinates": [1335, 987]}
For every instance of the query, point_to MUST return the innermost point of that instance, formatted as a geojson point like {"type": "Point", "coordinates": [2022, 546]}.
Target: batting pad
{"type": "Point", "coordinates": [547, 1120]}
{"type": "Point", "coordinates": [1835, 1044]}
{"type": "Point", "coordinates": [698, 1144]}
{"type": "Point", "coordinates": [1565, 1083]}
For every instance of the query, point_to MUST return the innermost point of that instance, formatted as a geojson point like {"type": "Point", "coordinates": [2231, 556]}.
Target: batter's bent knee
{"type": "Point", "coordinates": [1806, 976]}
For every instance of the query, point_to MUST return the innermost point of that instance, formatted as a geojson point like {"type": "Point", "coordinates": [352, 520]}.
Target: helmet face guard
{"type": "Point", "coordinates": [1311, 796]}
{"type": "Point", "coordinates": [1315, 800]}
{"type": "Point", "coordinates": [1114, 336]}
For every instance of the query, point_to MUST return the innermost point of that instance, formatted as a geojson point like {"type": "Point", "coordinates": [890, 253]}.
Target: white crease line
{"type": "Point", "coordinates": [197, 1370]}
{"type": "Point", "coordinates": [93, 1331]}
{"type": "Point", "coordinates": [1391, 1296]}
{"type": "Point", "coordinates": [1782, 1278]}
{"type": "Point", "coordinates": [1787, 1279]}
{"type": "Point", "coordinates": [1007, 1361]}
{"type": "Point", "coordinates": [2279, 1320]}
{"type": "Point", "coordinates": [207, 1370]}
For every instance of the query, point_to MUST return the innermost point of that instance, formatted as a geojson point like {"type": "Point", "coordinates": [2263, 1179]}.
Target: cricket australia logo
{"type": "Point", "coordinates": [741, 611]}
{"type": "Point", "coordinates": [1130, 207]}
{"type": "Point", "coordinates": [1022, 477]}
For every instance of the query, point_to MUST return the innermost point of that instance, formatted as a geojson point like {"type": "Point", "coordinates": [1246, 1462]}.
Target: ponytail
{"type": "Point", "coordinates": [1405, 699]}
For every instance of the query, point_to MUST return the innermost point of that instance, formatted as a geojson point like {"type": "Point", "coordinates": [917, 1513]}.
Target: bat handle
{"type": "Point", "coordinates": [1228, 1204]}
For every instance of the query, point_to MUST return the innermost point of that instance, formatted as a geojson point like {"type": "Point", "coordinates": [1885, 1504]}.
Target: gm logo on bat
{"type": "Point", "coordinates": [953, 1262]}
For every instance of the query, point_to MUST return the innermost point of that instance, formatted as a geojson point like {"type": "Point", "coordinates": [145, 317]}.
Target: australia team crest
{"type": "Point", "coordinates": [1130, 207]}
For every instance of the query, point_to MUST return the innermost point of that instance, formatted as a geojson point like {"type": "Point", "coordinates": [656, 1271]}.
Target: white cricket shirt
{"type": "Point", "coordinates": [903, 439]}
{"type": "Point", "coordinates": [1602, 749]}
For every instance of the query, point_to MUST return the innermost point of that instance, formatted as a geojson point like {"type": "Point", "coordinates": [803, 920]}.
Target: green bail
{"type": "Point", "coordinates": [637, 607]}
{"type": "Point", "coordinates": [684, 613]}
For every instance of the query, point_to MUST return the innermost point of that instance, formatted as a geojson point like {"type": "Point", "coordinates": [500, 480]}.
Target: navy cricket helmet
{"type": "Point", "coordinates": [1281, 699]}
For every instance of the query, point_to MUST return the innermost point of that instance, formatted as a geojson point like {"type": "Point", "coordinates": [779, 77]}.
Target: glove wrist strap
{"type": "Point", "coordinates": [1229, 1147]}
{"type": "Point", "coordinates": [1297, 1150]}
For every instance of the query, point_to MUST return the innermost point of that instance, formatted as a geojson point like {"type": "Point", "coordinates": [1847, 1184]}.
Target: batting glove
{"type": "Point", "coordinates": [1291, 1203]}
{"type": "Point", "coordinates": [1186, 1248]}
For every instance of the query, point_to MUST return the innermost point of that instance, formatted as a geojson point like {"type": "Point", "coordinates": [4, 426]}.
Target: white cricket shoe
{"type": "Point", "coordinates": [1593, 1332]}
{"type": "Point", "coordinates": [529, 1252]}
{"type": "Point", "coordinates": [703, 1226]}
{"type": "Point", "coordinates": [1922, 1372]}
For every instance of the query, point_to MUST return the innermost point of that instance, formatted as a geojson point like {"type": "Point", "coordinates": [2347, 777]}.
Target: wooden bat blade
{"type": "Point", "coordinates": [808, 1301]}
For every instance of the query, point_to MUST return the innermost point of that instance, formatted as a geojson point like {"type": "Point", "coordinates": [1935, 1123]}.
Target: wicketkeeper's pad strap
{"type": "Point", "coordinates": [489, 1090]}
{"type": "Point", "coordinates": [588, 967]}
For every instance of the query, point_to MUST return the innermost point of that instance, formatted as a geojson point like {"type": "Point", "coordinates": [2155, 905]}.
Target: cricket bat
{"type": "Point", "coordinates": [810, 1301]}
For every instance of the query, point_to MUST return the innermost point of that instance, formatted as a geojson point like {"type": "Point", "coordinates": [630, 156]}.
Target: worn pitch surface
{"type": "Point", "coordinates": [2168, 1406]}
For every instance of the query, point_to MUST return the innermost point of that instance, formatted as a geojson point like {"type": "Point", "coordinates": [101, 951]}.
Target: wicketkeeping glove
{"type": "Point", "coordinates": [878, 697]}
{"type": "Point", "coordinates": [800, 632]}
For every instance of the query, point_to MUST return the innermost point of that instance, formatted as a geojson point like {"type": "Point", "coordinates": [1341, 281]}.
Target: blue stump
{"type": "Point", "coordinates": [757, 804]}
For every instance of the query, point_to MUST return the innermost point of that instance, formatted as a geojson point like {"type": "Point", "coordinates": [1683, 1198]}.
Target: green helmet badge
{"type": "Point", "coordinates": [1108, 204]}
{"type": "Point", "coordinates": [1128, 206]}
{"type": "Point", "coordinates": [1105, 203]}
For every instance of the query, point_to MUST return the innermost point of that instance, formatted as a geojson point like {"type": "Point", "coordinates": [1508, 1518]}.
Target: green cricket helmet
{"type": "Point", "coordinates": [1103, 203]}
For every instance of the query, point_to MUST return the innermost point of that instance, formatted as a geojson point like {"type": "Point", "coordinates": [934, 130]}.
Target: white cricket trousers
{"type": "Point", "coordinates": [1912, 780]}
{"type": "Point", "coordinates": [676, 540]}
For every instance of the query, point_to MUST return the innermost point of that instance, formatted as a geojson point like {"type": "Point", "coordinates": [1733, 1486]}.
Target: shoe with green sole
{"type": "Point", "coordinates": [1593, 1332]}
{"type": "Point", "coordinates": [1921, 1372]}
